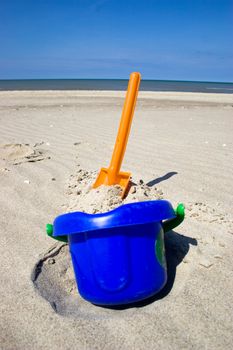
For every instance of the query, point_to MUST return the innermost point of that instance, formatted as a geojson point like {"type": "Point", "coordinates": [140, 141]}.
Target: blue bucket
{"type": "Point", "coordinates": [119, 256]}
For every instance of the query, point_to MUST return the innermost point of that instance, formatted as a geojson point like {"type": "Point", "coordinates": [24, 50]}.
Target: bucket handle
{"type": "Point", "coordinates": [172, 223]}
{"type": "Point", "coordinates": [49, 230]}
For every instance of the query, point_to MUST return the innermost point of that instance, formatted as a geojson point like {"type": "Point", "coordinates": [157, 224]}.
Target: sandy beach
{"type": "Point", "coordinates": [181, 147]}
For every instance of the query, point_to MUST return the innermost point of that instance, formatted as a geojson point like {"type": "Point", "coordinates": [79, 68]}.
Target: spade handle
{"type": "Point", "coordinates": [125, 124]}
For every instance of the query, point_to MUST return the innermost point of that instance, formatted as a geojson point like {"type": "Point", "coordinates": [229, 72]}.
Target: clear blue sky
{"type": "Point", "coordinates": [163, 39]}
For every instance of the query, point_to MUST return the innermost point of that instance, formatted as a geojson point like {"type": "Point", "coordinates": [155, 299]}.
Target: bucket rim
{"type": "Point", "coordinates": [130, 214]}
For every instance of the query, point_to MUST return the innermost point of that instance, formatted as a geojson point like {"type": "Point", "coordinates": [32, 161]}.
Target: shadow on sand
{"type": "Point", "coordinates": [161, 178]}
{"type": "Point", "coordinates": [150, 183]}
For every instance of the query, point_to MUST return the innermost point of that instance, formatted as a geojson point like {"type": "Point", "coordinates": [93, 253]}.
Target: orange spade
{"type": "Point", "coordinates": [113, 175]}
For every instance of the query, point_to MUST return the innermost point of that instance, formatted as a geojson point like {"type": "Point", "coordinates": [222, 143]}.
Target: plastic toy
{"type": "Point", "coordinates": [113, 175]}
{"type": "Point", "coordinates": [118, 256]}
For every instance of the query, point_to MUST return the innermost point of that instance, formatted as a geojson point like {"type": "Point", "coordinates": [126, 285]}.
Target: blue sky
{"type": "Point", "coordinates": [163, 39]}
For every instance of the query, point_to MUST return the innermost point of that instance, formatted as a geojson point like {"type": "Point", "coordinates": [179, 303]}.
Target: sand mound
{"type": "Point", "coordinates": [19, 153]}
{"type": "Point", "coordinates": [15, 151]}
{"type": "Point", "coordinates": [82, 197]}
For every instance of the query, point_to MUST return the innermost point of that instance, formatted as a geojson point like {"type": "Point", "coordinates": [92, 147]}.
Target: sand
{"type": "Point", "coordinates": [83, 197]}
{"type": "Point", "coordinates": [52, 145]}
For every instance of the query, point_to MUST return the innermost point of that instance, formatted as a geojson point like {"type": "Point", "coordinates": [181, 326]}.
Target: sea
{"type": "Point", "coordinates": [115, 84]}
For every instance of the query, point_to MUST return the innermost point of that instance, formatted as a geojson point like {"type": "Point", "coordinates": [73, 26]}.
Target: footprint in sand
{"type": "Point", "coordinates": [18, 153]}
{"type": "Point", "coordinates": [54, 280]}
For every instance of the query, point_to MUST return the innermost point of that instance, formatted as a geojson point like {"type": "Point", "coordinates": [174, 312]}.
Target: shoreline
{"type": "Point", "coordinates": [116, 84]}
{"type": "Point", "coordinates": [164, 95]}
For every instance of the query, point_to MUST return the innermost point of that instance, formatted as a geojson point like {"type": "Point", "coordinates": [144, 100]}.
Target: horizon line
{"type": "Point", "coordinates": [122, 79]}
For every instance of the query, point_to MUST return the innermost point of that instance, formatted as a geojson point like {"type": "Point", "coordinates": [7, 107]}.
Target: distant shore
{"type": "Point", "coordinates": [115, 85]}
{"type": "Point", "coordinates": [67, 96]}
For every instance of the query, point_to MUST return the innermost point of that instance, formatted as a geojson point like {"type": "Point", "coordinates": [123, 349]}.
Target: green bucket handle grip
{"type": "Point", "coordinates": [167, 225]}
{"type": "Point", "coordinates": [49, 230]}
{"type": "Point", "coordinates": [172, 223]}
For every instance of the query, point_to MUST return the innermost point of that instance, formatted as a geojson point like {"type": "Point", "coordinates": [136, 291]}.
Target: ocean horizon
{"type": "Point", "coordinates": [114, 84]}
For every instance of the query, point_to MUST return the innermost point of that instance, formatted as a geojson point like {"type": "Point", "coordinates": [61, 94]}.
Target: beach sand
{"type": "Point", "coordinates": [181, 147]}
